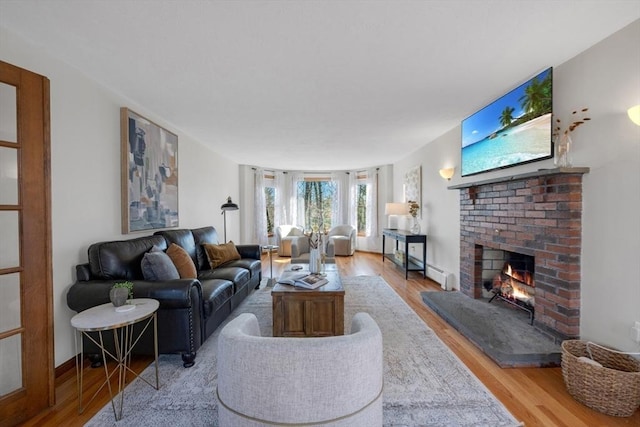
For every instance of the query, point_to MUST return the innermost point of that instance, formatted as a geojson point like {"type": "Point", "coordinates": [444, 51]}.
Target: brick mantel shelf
{"type": "Point", "coordinates": [538, 214]}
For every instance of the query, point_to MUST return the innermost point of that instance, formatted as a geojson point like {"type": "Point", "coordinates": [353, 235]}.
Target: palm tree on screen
{"type": "Point", "coordinates": [507, 116]}
{"type": "Point", "coordinates": [537, 97]}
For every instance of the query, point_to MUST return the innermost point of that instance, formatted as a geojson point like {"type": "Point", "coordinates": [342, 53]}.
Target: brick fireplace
{"type": "Point", "coordinates": [538, 214]}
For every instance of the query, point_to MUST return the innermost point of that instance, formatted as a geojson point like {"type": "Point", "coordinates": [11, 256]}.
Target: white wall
{"type": "Point", "coordinates": [85, 173]}
{"type": "Point", "coordinates": [606, 79]}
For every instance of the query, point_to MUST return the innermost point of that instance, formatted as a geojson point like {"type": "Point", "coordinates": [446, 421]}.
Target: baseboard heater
{"type": "Point", "coordinates": [439, 276]}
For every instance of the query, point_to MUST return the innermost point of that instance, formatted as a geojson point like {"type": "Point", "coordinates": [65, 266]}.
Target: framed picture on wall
{"type": "Point", "coordinates": [413, 187]}
{"type": "Point", "coordinates": [149, 174]}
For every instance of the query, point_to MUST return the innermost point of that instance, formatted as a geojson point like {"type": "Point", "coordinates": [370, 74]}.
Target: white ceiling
{"type": "Point", "coordinates": [315, 85]}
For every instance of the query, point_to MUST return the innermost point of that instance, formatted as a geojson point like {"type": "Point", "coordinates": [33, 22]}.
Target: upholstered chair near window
{"type": "Point", "coordinates": [266, 381]}
{"type": "Point", "coordinates": [341, 241]}
{"type": "Point", "coordinates": [291, 240]}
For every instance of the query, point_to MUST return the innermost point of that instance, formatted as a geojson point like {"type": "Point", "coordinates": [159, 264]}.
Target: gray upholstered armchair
{"type": "Point", "coordinates": [341, 240]}
{"type": "Point", "coordinates": [291, 240]}
{"type": "Point", "coordinates": [293, 381]}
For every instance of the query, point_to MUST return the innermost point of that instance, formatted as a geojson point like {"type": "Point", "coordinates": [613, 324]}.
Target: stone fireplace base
{"type": "Point", "coordinates": [502, 333]}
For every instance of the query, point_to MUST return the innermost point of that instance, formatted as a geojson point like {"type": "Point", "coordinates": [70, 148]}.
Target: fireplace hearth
{"type": "Point", "coordinates": [537, 215]}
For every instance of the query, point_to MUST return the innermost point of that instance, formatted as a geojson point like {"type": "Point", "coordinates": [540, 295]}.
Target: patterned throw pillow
{"type": "Point", "coordinates": [219, 254]}
{"type": "Point", "coordinates": [182, 261]}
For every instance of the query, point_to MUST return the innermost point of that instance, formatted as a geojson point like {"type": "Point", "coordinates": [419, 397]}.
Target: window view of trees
{"type": "Point", "coordinates": [362, 209]}
{"type": "Point", "coordinates": [270, 197]}
{"type": "Point", "coordinates": [319, 202]}
{"type": "Point", "coordinates": [317, 198]}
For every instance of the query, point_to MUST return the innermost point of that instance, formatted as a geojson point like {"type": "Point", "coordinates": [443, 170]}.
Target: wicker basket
{"type": "Point", "coordinates": [613, 389]}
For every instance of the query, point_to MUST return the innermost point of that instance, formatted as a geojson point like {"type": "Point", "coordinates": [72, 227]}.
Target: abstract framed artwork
{"type": "Point", "coordinates": [413, 187]}
{"type": "Point", "coordinates": [149, 174]}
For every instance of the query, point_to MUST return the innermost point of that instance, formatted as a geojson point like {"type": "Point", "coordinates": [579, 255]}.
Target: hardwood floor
{"type": "Point", "coordinates": [535, 396]}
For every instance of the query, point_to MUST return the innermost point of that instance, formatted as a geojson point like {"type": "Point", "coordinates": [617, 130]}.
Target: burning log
{"type": "Point", "coordinates": [514, 285]}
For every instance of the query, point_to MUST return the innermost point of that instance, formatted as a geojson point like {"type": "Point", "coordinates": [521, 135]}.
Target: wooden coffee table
{"type": "Point", "coordinates": [299, 312]}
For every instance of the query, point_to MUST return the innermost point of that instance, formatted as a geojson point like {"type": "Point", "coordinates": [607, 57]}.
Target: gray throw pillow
{"type": "Point", "coordinates": [156, 265]}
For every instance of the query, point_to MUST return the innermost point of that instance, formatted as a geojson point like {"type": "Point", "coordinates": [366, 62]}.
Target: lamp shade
{"type": "Point", "coordinates": [447, 173]}
{"type": "Point", "coordinates": [229, 206]}
{"type": "Point", "coordinates": [634, 114]}
{"type": "Point", "coordinates": [396, 209]}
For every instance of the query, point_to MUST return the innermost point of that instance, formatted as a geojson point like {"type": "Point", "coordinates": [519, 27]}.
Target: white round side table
{"type": "Point", "coordinates": [103, 318]}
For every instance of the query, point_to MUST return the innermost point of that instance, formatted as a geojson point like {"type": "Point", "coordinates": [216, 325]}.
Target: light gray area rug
{"type": "Point", "coordinates": [425, 384]}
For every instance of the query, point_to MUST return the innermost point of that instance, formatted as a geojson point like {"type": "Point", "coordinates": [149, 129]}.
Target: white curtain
{"type": "Point", "coordinates": [260, 211]}
{"type": "Point", "coordinates": [280, 205]}
{"type": "Point", "coordinates": [339, 211]}
{"type": "Point", "coordinates": [352, 199]}
{"type": "Point", "coordinates": [372, 203]}
{"type": "Point", "coordinates": [296, 210]}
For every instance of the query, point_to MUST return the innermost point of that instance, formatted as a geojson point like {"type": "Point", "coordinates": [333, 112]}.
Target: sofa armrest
{"type": "Point", "coordinates": [83, 272]}
{"type": "Point", "coordinates": [249, 251]}
{"type": "Point", "coordinates": [171, 294]}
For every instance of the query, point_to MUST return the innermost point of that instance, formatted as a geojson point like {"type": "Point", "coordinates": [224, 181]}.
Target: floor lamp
{"type": "Point", "coordinates": [229, 206]}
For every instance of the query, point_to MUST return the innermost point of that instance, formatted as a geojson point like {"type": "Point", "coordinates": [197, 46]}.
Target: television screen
{"type": "Point", "coordinates": [512, 130]}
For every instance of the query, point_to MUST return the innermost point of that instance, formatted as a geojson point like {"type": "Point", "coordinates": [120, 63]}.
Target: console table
{"type": "Point", "coordinates": [407, 237]}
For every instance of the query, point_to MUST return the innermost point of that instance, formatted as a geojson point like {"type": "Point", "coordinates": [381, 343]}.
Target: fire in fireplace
{"type": "Point", "coordinates": [515, 285]}
{"type": "Point", "coordinates": [514, 282]}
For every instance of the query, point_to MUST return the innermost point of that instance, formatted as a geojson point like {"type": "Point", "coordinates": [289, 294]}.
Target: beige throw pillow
{"type": "Point", "coordinates": [219, 254]}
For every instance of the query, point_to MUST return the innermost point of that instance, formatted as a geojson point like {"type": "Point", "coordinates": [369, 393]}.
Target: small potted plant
{"type": "Point", "coordinates": [120, 292]}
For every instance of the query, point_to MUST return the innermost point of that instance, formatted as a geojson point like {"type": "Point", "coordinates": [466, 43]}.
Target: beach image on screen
{"type": "Point", "coordinates": [512, 130]}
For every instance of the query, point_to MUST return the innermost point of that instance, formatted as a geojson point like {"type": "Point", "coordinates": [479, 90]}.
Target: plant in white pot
{"type": "Point", "coordinates": [120, 292]}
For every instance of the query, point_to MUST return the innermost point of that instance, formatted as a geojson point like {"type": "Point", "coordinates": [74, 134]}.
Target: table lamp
{"type": "Point", "coordinates": [395, 209]}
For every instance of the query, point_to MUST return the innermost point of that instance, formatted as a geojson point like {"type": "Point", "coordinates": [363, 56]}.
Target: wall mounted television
{"type": "Point", "coordinates": [512, 130]}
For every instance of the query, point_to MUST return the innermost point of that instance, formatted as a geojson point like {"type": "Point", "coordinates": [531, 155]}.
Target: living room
{"type": "Point", "coordinates": [603, 76]}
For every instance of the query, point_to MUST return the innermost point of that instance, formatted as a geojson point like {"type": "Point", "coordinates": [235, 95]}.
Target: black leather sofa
{"type": "Point", "coordinates": [190, 309]}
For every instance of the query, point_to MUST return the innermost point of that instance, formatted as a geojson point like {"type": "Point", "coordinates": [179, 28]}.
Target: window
{"type": "Point", "coordinates": [361, 208]}
{"type": "Point", "coordinates": [270, 197]}
{"type": "Point", "coordinates": [316, 196]}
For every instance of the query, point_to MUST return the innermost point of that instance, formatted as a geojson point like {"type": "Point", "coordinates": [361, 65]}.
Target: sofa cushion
{"type": "Point", "coordinates": [253, 265]}
{"type": "Point", "coordinates": [220, 254]}
{"type": "Point", "coordinates": [215, 292]}
{"type": "Point", "coordinates": [121, 259]}
{"type": "Point", "coordinates": [239, 276]}
{"type": "Point", "coordinates": [156, 266]}
{"type": "Point", "coordinates": [183, 262]}
{"type": "Point", "coordinates": [201, 236]}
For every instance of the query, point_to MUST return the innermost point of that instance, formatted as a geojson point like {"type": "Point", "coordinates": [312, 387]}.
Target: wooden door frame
{"type": "Point", "coordinates": [34, 176]}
